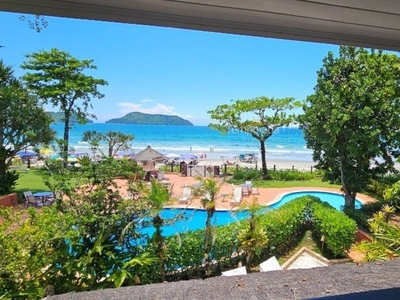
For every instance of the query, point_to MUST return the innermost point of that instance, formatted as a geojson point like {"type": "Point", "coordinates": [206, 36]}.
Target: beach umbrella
{"type": "Point", "coordinates": [187, 156]}
{"type": "Point", "coordinates": [46, 151]}
{"type": "Point", "coordinates": [23, 154]}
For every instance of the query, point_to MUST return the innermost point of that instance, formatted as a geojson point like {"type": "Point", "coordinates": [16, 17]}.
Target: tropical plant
{"type": "Point", "coordinates": [352, 117]}
{"type": "Point", "coordinates": [154, 201]}
{"type": "Point", "coordinates": [116, 141]}
{"type": "Point", "coordinates": [57, 78]}
{"type": "Point", "coordinates": [23, 123]}
{"type": "Point", "coordinates": [208, 192]}
{"type": "Point", "coordinates": [252, 238]}
{"type": "Point", "coordinates": [386, 243]}
{"type": "Point", "coordinates": [269, 115]}
{"type": "Point", "coordinates": [107, 243]}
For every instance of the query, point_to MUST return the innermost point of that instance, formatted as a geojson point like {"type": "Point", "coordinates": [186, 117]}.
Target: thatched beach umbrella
{"type": "Point", "coordinates": [149, 157]}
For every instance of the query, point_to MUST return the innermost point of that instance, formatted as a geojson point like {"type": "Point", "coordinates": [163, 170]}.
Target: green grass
{"type": "Point", "coordinates": [30, 181]}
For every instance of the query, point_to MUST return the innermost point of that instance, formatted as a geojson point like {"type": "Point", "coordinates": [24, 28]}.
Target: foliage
{"type": "Point", "coordinates": [377, 187]}
{"type": "Point", "coordinates": [35, 22]}
{"type": "Point", "coordinates": [154, 200]}
{"type": "Point", "coordinates": [115, 140]}
{"type": "Point", "coordinates": [23, 123]}
{"type": "Point", "coordinates": [247, 174]}
{"type": "Point", "coordinates": [106, 248]}
{"type": "Point", "coordinates": [152, 119]}
{"type": "Point", "coordinates": [8, 180]}
{"type": "Point", "coordinates": [269, 115]}
{"type": "Point", "coordinates": [359, 216]}
{"type": "Point", "coordinates": [287, 175]}
{"type": "Point", "coordinates": [58, 79]}
{"type": "Point", "coordinates": [391, 194]}
{"type": "Point", "coordinates": [59, 117]}
{"type": "Point", "coordinates": [370, 208]}
{"type": "Point", "coordinates": [252, 237]}
{"type": "Point", "coordinates": [334, 227]}
{"type": "Point", "coordinates": [28, 249]}
{"type": "Point", "coordinates": [284, 223]}
{"type": "Point", "coordinates": [208, 192]}
{"type": "Point", "coordinates": [353, 117]}
{"type": "Point", "coordinates": [386, 243]}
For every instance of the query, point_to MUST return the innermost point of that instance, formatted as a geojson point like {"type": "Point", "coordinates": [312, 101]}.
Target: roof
{"type": "Point", "coordinates": [356, 281]}
{"type": "Point", "coordinates": [372, 24]}
{"type": "Point", "coordinates": [149, 154]}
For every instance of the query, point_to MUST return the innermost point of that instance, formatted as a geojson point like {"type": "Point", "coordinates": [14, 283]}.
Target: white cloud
{"type": "Point", "coordinates": [159, 108]}
{"type": "Point", "coordinates": [145, 106]}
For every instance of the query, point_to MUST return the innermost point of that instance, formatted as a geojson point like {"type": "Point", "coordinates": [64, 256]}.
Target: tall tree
{"type": "Point", "coordinates": [353, 117]}
{"type": "Point", "coordinates": [23, 123]}
{"type": "Point", "coordinates": [115, 141]}
{"type": "Point", "coordinates": [270, 114]}
{"type": "Point", "coordinates": [57, 78]}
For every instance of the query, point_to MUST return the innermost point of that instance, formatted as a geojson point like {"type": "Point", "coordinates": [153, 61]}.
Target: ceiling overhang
{"type": "Point", "coordinates": [366, 23]}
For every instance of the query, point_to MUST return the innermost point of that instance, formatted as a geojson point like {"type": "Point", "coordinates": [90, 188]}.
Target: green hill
{"type": "Point", "coordinates": [58, 117]}
{"type": "Point", "coordinates": [150, 119]}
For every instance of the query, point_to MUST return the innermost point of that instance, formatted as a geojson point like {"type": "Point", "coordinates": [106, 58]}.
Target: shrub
{"type": "Point", "coordinates": [359, 216]}
{"type": "Point", "coordinates": [376, 187]}
{"type": "Point", "coordinates": [288, 175]}
{"type": "Point", "coordinates": [7, 182]}
{"type": "Point", "coordinates": [285, 222]}
{"type": "Point", "coordinates": [371, 207]}
{"type": "Point", "coordinates": [337, 229]}
{"type": "Point", "coordinates": [247, 174]}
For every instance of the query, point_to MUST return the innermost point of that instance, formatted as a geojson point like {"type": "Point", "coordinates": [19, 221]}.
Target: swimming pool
{"type": "Point", "coordinates": [192, 219]}
{"type": "Point", "coordinates": [334, 199]}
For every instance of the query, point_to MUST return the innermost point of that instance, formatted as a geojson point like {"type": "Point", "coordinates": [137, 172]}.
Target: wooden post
{"type": "Point", "coordinates": [311, 169]}
{"type": "Point", "coordinates": [292, 168]}
{"type": "Point", "coordinates": [274, 168]}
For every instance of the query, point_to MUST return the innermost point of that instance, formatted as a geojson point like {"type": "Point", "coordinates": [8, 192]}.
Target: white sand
{"type": "Point", "coordinates": [279, 164]}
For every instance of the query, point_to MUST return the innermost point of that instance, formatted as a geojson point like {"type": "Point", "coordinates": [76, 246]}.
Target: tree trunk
{"type": "Point", "coordinates": [208, 234]}
{"type": "Point", "coordinates": [66, 141]}
{"type": "Point", "coordinates": [158, 222]}
{"type": "Point", "coordinates": [263, 160]}
{"type": "Point", "coordinates": [349, 195]}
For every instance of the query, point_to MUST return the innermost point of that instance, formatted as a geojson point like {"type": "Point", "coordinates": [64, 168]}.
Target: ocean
{"type": "Point", "coordinates": [285, 144]}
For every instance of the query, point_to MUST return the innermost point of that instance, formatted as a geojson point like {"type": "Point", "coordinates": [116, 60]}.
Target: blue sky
{"type": "Point", "coordinates": [170, 71]}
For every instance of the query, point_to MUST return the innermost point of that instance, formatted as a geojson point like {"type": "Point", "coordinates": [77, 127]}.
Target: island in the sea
{"type": "Point", "coordinates": [150, 119]}
{"type": "Point", "coordinates": [59, 116]}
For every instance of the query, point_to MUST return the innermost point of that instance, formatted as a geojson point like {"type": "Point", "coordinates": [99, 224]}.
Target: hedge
{"type": "Point", "coordinates": [185, 250]}
{"type": "Point", "coordinates": [337, 228]}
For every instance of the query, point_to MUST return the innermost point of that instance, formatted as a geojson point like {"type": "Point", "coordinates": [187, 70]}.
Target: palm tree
{"type": "Point", "coordinates": [155, 200]}
{"type": "Point", "coordinates": [208, 190]}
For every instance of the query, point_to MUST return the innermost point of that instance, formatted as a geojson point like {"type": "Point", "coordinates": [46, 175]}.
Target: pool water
{"type": "Point", "coordinates": [334, 199]}
{"type": "Point", "coordinates": [192, 219]}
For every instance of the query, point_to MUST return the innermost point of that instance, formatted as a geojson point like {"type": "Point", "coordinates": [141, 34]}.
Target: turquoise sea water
{"type": "Point", "coordinates": [285, 143]}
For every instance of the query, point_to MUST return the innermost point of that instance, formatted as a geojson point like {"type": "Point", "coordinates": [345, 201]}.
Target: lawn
{"type": "Point", "coordinates": [31, 181]}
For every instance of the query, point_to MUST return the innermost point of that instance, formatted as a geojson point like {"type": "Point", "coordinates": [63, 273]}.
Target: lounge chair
{"type": "Point", "coordinates": [271, 264]}
{"type": "Point", "coordinates": [237, 196]}
{"type": "Point", "coordinates": [235, 272]}
{"type": "Point", "coordinates": [186, 193]}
